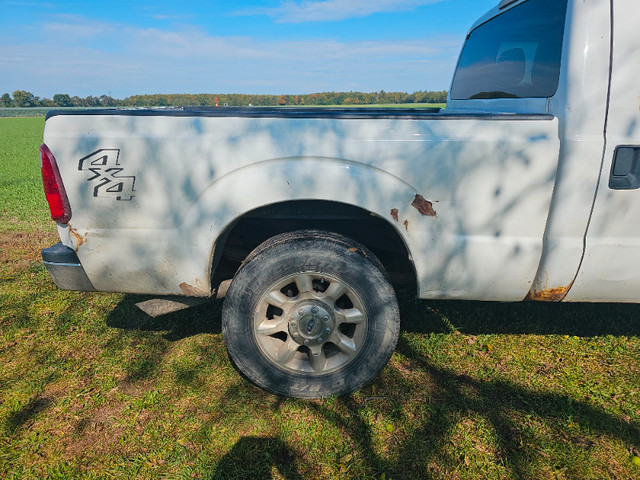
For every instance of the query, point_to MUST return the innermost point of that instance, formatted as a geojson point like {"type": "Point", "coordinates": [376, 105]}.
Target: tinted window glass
{"type": "Point", "coordinates": [514, 55]}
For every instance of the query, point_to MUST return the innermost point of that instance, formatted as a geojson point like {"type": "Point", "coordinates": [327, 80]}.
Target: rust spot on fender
{"type": "Point", "coordinates": [548, 294]}
{"type": "Point", "coordinates": [425, 207]}
{"type": "Point", "coordinates": [555, 294]}
{"type": "Point", "coordinates": [80, 240]}
{"type": "Point", "coordinates": [191, 291]}
{"type": "Point", "coordinates": [406, 225]}
{"type": "Point", "coordinates": [394, 214]}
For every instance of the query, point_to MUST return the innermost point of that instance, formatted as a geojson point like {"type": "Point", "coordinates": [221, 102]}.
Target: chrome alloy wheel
{"type": "Point", "coordinates": [310, 323]}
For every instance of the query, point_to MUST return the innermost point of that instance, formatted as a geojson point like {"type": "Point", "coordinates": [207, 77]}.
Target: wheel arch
{"type": "Point", "coordinates": [254, 227]}
{"type": "Point", "coordinates": [293, 190]}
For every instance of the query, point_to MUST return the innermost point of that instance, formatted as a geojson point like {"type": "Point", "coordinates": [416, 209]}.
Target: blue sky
{"type": "Point", "coordinates": [128, 47]}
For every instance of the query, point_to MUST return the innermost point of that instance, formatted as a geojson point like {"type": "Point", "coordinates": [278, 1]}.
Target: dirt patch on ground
{"type": "Point", "coordinates": [98, 432]}
{"type": "Point", "coordinates": [24, 247]}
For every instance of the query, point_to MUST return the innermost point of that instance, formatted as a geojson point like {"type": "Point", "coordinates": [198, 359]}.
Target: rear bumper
{"type": "Point", "coordinates": [65, 269]}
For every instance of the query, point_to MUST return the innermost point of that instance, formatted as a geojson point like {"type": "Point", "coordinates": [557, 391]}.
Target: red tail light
{"type": "Point", "coordinates": [53, 187]}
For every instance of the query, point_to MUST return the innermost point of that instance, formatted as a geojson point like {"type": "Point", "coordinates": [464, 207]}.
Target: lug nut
{"type": "Point", "coordinates": [314, 309]}
{"type": "Point", "coordinates": [301, 312]}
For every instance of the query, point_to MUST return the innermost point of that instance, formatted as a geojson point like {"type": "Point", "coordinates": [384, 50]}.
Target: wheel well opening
{"type": "Point", "coordinates": [256, 226]}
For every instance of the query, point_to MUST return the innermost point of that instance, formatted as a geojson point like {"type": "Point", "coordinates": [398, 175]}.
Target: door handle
{"type": "Point", "coordinates": [625, 169]}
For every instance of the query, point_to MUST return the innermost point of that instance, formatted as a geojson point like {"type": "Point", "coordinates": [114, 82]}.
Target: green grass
{"type": "Point", "coordinates": [92, 388]}
{"type": "Point", "coordinates": [23, 206]}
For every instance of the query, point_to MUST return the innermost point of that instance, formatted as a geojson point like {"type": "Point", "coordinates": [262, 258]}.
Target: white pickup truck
{"type": "Point", "coordinates": [525, 187]}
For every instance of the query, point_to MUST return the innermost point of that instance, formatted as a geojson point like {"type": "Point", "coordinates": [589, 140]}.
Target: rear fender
{"type": "Point", "coordinates": [308, 178]}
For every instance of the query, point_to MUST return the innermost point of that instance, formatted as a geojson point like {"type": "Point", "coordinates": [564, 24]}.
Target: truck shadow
{"type": "Point", "coordinates": [421, 316]}
{"type": "Point", "coordinates": [471, 317]}
{"type": "Point", "coordinates": [205, 318]}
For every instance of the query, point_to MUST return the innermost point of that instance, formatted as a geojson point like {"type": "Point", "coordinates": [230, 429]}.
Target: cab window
{"type": "Point", "coordinates": [514, 55]}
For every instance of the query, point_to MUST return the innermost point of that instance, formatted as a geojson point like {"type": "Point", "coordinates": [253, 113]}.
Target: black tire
{"type": "Point", "coordinates": [310, 314]}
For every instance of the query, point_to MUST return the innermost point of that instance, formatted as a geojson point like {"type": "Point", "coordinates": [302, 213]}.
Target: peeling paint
{"type": "Point", "coordinates": [191, 291]}
{"type": "Point", "coordinates": [555, 294]}
{"type": "Point", "coordinates": [406, 225]}
{"type": "Point", "coordinates": [548, 294]}
{"type": "Point", "coordinates": [425, 207]}
{"type": "Point", "coordinates": [394, 214]}
{"type": "Point", "coordinates": [80, 240]}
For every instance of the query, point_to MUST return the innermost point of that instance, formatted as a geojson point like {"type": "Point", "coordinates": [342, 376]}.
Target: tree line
{"type": "Point", "coordinates": [23, 99]}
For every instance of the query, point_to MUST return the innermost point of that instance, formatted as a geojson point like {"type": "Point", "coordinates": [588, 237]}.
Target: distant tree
{"type": "Point", "coordinates": [62, 100]}
{"type": "Point", "coordinates": [5, 100]}
{"type": "Point", "coordinates": [77, 101]}
{"type": "Point", "coordinates": [107, 101]}
{"type": "Point", "coordinates": [91, 101]}
{"type": "Point", "coordinates": [24, 99]}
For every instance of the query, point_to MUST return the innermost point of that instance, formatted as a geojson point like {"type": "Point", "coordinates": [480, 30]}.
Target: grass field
{"type": "Point", "coordinates": [90, 387]}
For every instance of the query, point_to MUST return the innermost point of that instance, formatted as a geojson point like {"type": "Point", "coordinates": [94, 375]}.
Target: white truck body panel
{"type": "Point", "coordinates": [610, 270]}
{"type": "Point", "coordinates": [489, 182]}
{"type": "Point", "coordinates": [580, 106]}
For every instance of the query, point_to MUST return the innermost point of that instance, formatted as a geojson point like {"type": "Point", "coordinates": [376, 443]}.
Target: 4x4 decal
{"type": "Point", "coordinates": [105, 166]}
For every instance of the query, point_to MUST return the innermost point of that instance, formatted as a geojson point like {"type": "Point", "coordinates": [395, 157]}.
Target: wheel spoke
{"type": "Point", "coordinates": [344, 344]}
{"type": "Point", "coordinates": [336, 290]}
{"type": "Point", "coordinates": [317, 358]}
{"type": "Point", "coordinates": [269, 327]}
{"type": "Point", "coordinates": [286, 352]}
{"type": "Point", "coordinates": [304, 283]}
{"type": "Point", "coordinates": [277, 298]}
{"type": "Point", "coordinates": [352, 315]}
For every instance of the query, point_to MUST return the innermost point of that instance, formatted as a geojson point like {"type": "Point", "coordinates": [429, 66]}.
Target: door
{"type": "Point", "coordinates": [610, 269]}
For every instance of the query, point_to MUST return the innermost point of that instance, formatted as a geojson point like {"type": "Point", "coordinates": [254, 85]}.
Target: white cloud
{"type": "Point", "coordinates": [126, 60]}
{"type": "Point", "coordinates": [290, 11]}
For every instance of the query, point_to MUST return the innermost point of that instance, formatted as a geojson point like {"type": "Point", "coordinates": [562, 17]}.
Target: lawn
{"type": "Point", "coordinates": [90, 387]}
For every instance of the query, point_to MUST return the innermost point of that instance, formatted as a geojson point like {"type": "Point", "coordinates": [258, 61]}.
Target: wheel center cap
{"type": "Point", "coordinates": [310, 322]}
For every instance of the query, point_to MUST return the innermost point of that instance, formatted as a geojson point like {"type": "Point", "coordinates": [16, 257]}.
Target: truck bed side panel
{"type": "Point", "coordinates": [151, 193]}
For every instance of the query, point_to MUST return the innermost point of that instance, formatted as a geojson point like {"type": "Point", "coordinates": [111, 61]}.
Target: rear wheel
{"type": "Point", "coordinates": [310, 314]}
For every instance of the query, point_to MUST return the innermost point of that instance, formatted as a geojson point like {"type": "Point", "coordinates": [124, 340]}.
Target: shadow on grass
{"type": "Point", "coordinates": [26, 413]}
{"type": "Point", "coordinates": [422, 316]}
{"type": "Point", "coordinates": [255, 458]}
{"type": "Point", "coordinates": [472, 317]}
{"type": "Point", "coordinates": [204, 318]}
{"type": "Point", "coordinates": [516, 432]}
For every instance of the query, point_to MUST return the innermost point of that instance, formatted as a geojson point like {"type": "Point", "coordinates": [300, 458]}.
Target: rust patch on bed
{"type": "Point", "coordinates": [394, 214]}
{"type": "Point", "coordinates": [80, 240]}
{"type": "Point", "coordinates": [425, 207]}
{"type": "Point", "coordinates": [406, 225]}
